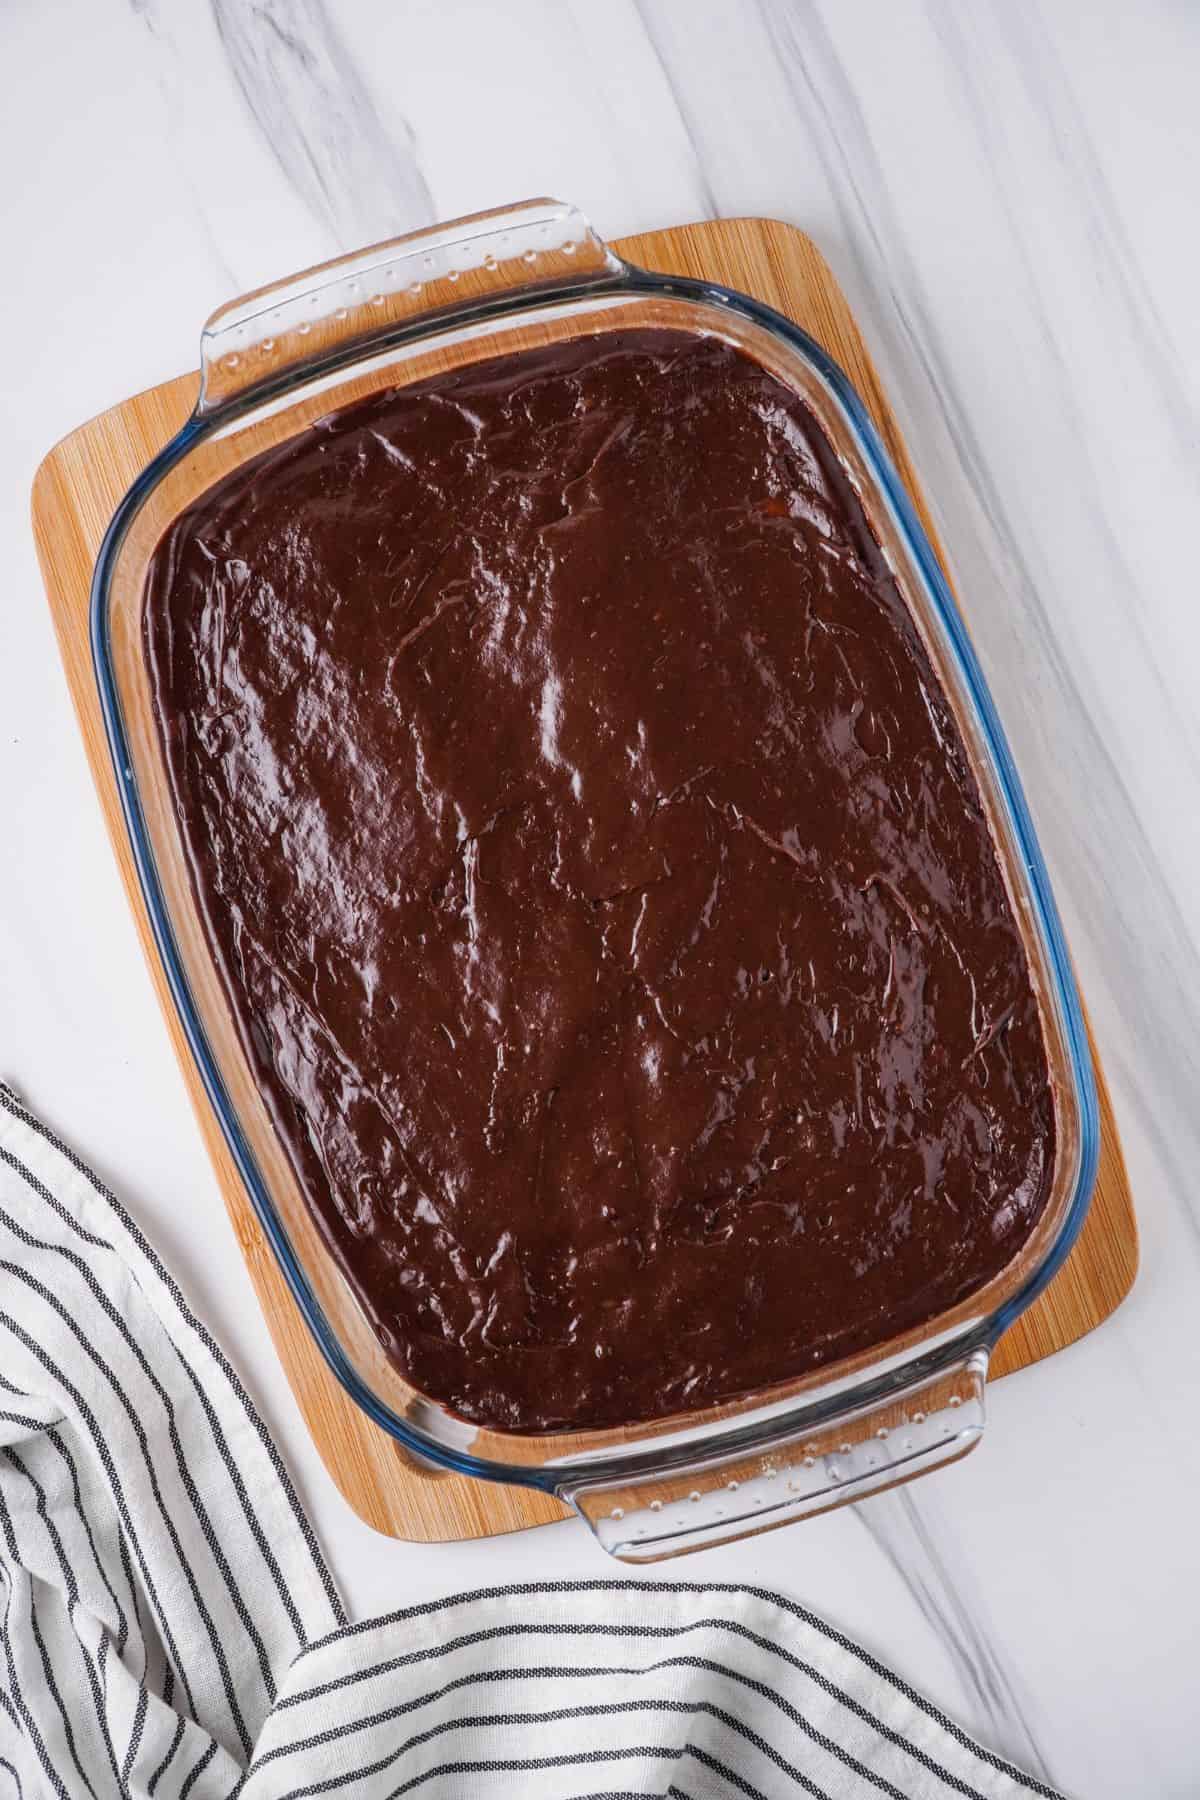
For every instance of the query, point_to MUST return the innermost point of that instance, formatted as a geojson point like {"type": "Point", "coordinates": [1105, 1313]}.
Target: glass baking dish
{"type": "Point", "coordinates": [271, 364]}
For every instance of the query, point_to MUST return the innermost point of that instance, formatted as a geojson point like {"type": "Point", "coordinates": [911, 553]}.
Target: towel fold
{"type": "Point", "coordinates": [170, 1627]}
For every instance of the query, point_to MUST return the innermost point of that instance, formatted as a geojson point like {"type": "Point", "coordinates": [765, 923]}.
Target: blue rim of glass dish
{"type": "Point", "coordinates": [635, 281]}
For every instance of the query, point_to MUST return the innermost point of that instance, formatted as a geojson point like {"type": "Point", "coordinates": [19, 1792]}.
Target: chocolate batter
{"type": "Point", "coordinates": [601, 887]}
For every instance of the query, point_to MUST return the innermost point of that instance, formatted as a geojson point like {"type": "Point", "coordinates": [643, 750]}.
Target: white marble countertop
{"type": "Point", "coordinates": [1007, 191]}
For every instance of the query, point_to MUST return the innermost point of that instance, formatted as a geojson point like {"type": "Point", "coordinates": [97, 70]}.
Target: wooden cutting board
{"type": "Point", "coordinates": [75, 493]}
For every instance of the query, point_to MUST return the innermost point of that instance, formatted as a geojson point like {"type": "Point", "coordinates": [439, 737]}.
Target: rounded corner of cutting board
{"type": "Point", "coordinates": [41, 490]}
{"type": "Point", "coordinates": [396, 1497]}
{"type": "Point", "coordinates": [76, 489]}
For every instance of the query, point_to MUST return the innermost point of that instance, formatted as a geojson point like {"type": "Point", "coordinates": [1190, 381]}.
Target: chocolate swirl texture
{"type": "Point", "coordinates": [600, 882]}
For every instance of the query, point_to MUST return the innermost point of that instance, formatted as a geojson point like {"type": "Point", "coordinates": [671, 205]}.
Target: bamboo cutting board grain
{"type": "Point", "coordinates": [75, 493]}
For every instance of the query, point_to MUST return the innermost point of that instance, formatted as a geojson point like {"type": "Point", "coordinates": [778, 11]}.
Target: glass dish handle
{"type": "Point", "coordinates": [314, 316]}
{"type": "Point", "coordinates": [669, 1511]}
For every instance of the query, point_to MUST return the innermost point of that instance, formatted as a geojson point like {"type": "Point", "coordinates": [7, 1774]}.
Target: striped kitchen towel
{"type": "Point", "coordinates": [170, 1626]}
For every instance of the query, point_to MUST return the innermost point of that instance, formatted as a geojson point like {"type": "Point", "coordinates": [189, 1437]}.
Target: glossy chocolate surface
{"type": "Point", "coordinates": [600, 883]}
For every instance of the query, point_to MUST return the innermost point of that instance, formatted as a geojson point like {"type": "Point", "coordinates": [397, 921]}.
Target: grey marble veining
{"type": "Point", "coordinates": [963, 60]}
{"type": "Point", "coordinates": [1005, 190]}
{"type": "Point", "coordinates": [318, 119]}
{"type": "Point", "coordinates": [897, 1526]}
{"type": "Point", "coordinates": [648, 14]}
{"type": "Point", "coordinates": [1039, 66]}
{"type": "Point", "coordinates": [311, 110]}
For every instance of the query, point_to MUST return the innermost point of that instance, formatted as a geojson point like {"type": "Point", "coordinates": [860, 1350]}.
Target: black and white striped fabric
{"type": "Point", "coordinates": [170, 1627]}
